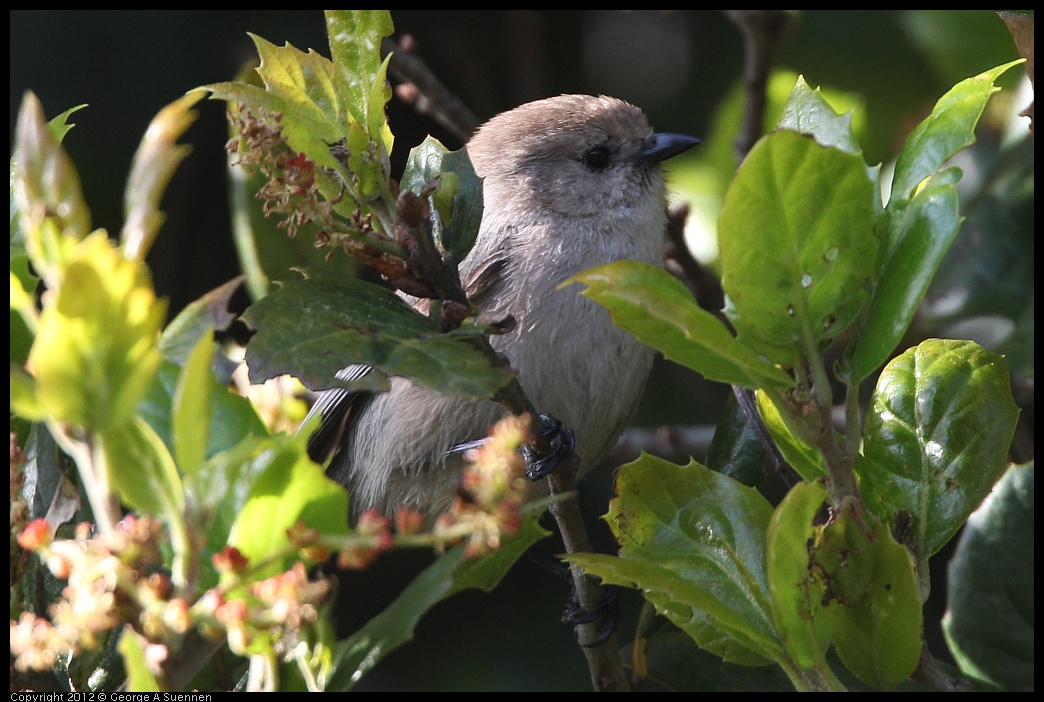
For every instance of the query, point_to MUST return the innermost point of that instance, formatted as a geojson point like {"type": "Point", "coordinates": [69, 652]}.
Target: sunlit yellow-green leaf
{"type": "Point", "coordinates": [878, 637]}
{"type": "Point", "coordinates": [355, 47]}
{"type": "Point", "coordinates": [46, 189]}
{"type": "Point", "coordinates": [796, 594]}
{"type": "Point", "coordinates": [140, 677]}
{"type": "Point", "coordinates": [286, 487]}
{"type": "Point", "coordinates": [155, 161]}
{"type": "Point", "coordinates": [96, 347]}
{"type": "Point", "coordinates": [192, 407]}
{"type": "Point", "coordinates": [797, 245]}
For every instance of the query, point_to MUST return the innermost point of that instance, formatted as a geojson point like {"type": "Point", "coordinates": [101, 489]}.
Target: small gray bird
{"type": "Point", "coordinates": [569, 183]}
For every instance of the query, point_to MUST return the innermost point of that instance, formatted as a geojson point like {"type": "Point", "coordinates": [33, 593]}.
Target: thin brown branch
{"type": "Point", "coordinates": [762, 31]}
{"type": "Point", "coordinates": [420, 88]}
{"type": "Point", "coordinates": [603, 661]}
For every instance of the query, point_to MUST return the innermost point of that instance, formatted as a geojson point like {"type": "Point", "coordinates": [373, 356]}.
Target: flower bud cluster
{"type": "Point", "coordinates": [492, 490]}
{"type": "Point", "coordinates": [119, 579]}
{"type": "Point", "coordinates": [291, 189]}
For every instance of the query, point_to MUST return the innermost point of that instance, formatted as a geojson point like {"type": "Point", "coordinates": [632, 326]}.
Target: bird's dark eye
{"type": "Point", "coordinates": [597, 159]}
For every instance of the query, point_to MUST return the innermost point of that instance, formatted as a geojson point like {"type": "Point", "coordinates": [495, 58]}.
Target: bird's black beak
{"type": "Point", "coordinates": [661, 147]}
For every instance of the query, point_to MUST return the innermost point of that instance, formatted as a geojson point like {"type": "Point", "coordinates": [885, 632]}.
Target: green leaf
{"type": "Point", "coordinates": [364, 162]}
{"type": "Point", "coordinates": [46, 189]}
{"type": "Point", "coordinates": [658, 309]}
{"type": "Point", "coordinates": [232, 417]}
{"type": "Point", "coordinates": [306, 83]}
{"type": "Point", "coordinates": [355, 47]}
{"type": "Point", "coordinates": [60, 125]}
{"type": "Point", "coordinates": [927, 229]}
{"type": "Point", "coordinates": [694, 542]}
{"type": "Point", "coordinates": [95, 351]}
{"type": "Point", "coordinates": [312, 328]}
{"type": "Point", "coordinates": [142, 470]}
{"type": "Point", "coordinates": [457, 195]}
{"type": "Point", "coordinates": [797, 596]}
{"type": "Point", "coordinates": [805, 459]}
{"type": "Point", "coordinates": [360, 652]}
{"type": "Point", "coordinates": [265, 251]}
{"type": "Point", "coordinates": [155, 161]}
{"type": "Point", "coordinates": [990, 593]}
{"type": "Point", "coordinates": [937, 435]}
{"type": "Point", "coordinates": [139, 675]}
{"type": "Point", "coordinates": [808, 112]}
{"type": "Point", "coordinates": [192, 408]}
{"type": "Point", "coordinates": [736, 450]}
{"type": "Point", "coordinates": [878, 637]}
{"type": "Point", "coordinates": [308, 128]}
{"type": "Point", "coordinates": [948, 129]}
{"type": "Point", "coordinates": [323, 103]}
{"type": "Point", "coordinates": [23, 306]}
{"type": "Point", "coordinates": [288, 488]}
{"type": "Point", "coordinates": [797, 245]}
{"type": "Point", "coordinates": [679, 665]}
{"type": "Point", "coordinates": [221, 488]}
{"type": "Point", "coordinates": [844, 553]}
{"type": "Point", "coordinates": [201, 318]}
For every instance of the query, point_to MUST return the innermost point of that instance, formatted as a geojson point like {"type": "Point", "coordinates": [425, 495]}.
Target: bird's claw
{"type": "Point", "coordinates": [551, 443]}
{"type": "Point", "coordinates": [606, 611]}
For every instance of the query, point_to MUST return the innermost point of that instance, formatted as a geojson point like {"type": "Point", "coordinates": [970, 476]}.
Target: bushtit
{"type": "Point", "coordinates": [569, 183]}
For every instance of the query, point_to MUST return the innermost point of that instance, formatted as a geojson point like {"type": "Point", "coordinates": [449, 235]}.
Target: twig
{"type": "Point", "coordinates": [762, 31]}
{"type": "Point", "coordinates": [426, 93]}
{"type": "Point", "coordinates": [603, 661]}
{"type": "Point", "coordinates": [934, 676]}
{"type": "Point", "coordinates": [703, 284]}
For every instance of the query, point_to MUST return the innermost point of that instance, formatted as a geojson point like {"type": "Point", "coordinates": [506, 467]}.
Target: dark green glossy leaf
{"type": "Point", "coordinates": [937, 436]}
{"type": "Point", "coordinates": [735, 450]}
{"type": "Point", "coordinates": [797, 245]}
{"type": "Point", "coordinates": [457, 195]}
{"type": "Point", "coordinates": [990, 593]}
{"type": "Point", "coordinates": [658, 309]}
{"type": "Point", "coordinates": [312, 328]}
{"type": "Point", "coordinates": [677, 664]}
{"type": "Point", "coordinates": [694, 542]}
